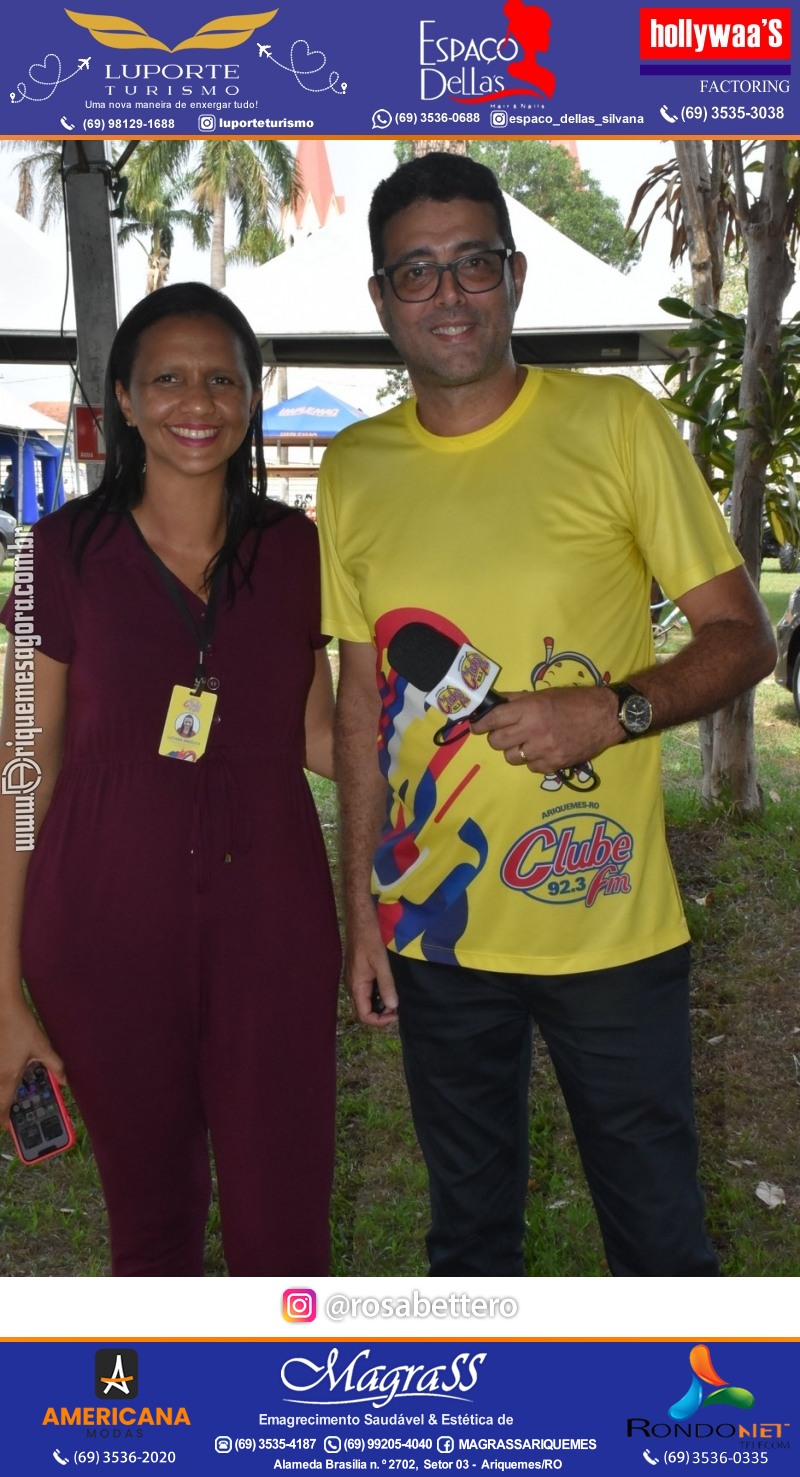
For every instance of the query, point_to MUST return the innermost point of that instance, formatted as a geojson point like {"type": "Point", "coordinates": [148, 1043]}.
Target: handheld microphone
{"type": "Point", "coordinates": [457, 680]}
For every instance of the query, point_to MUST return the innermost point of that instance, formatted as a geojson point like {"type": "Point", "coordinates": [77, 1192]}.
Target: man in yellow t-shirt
{"type": "Point", "coordinates": [500, 531]}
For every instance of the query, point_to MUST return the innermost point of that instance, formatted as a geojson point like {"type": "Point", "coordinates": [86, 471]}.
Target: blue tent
{"type": "Point", "coordinates": [24, 450]}
{"type": "Point", "coordinates": [314, 413]}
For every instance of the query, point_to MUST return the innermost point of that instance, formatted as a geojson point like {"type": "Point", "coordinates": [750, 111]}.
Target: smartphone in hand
{"type": "Point", "coordinates": [40, 1124]}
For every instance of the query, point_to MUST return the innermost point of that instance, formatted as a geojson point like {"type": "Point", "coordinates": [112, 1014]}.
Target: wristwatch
{"type": "Point", "coordinates": [634, 710]}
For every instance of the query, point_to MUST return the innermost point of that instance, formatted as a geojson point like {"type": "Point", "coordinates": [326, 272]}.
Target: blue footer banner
{"type": "Point", "coordinates": [384, 1406]}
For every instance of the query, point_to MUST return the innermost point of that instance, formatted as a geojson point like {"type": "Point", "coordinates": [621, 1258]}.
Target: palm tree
{"type": "Point", "coordinates": [151, 208]}
{"type": "Point", "coordinates": [249, 173]}
{"type": "Point", "coordinates": [40, 165]}
{"type": "Point", "coordinates": [258, 176]}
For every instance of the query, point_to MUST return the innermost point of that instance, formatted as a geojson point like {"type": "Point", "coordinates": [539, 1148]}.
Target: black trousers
{"type": "Point", "coordinates": [620, 1043]}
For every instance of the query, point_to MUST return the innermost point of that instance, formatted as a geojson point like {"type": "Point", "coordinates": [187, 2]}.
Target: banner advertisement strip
{"type": "Point", "coordinates": [451, 67]}
{"type": "Point", "coordinates": [416, 1407]}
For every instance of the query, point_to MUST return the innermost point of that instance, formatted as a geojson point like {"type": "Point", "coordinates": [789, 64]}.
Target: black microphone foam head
{"type": "Point", "coordinates": [421, 654]}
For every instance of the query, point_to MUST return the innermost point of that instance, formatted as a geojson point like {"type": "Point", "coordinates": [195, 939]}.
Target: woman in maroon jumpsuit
{"type": "Point", "coordinates": [176, 926]}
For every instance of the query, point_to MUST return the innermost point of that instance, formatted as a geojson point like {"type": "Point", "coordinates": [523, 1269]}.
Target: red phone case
{"type": "Point", "coordinates": [39, 1121]}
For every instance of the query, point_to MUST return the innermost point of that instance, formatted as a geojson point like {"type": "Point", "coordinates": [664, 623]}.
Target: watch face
{"type": "Point", "coordinates": [636, 713]}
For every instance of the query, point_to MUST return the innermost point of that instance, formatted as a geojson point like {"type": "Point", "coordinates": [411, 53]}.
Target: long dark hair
{"type": "Point", "coordinates": [246, 503]}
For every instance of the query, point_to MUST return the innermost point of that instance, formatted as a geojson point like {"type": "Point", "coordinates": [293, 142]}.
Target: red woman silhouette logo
{"type": "Point", "coordinates": [529, 25]}
{"type": "Point", "coordinates": [527, 34]}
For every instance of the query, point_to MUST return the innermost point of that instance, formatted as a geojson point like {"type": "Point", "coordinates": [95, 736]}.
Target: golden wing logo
{"type": "Point", "coordinates": [126, 35]}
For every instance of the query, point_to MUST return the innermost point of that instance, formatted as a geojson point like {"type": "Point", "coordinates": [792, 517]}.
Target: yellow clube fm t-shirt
{"type": "Point", "coordinates": [533, 540]}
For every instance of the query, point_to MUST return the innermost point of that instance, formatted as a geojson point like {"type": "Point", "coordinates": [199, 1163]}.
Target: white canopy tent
{"type": "Point", "coordinates": [15, 415]}
{"type": "Point", "coordinates": [312, 302]}
{"type": "Point", "coordinates": [33, 283]}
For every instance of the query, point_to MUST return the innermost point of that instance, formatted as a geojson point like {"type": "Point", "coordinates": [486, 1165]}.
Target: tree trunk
{"type": "Point", "coordinates": [157, 269]}
{"type": "Point", "coordinates": [700, 184]}
{"type": "Point", "coordinates": [422, 146]}
{"type": "Point", "coordinates": [217, 278]}
{"type": "Point", "coordinates": [770, 278]}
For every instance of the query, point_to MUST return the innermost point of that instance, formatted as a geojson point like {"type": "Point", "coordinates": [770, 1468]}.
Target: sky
{"type": "Point", "coordinates": [357, 166]}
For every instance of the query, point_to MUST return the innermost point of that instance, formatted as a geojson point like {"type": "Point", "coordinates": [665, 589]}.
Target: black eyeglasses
{"type": "Point", "coordinates": [478, 271]}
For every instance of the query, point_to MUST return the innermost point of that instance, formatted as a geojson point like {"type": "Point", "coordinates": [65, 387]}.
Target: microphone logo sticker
{"type": "Point", "coordinates": [451, 700]}
{"type": "Point", "coordinates": [474, 669]}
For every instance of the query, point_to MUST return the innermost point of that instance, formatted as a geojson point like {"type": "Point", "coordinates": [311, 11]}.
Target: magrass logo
{"type": "Point", "coordinates": [704, 1374]}
{"type": "Point", "coordinates": [127, 35]}
{"type": "Point", "coordinates": [116, 1374]}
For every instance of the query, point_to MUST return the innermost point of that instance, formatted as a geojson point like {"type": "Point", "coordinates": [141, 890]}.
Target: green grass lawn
{"type": "Point", "coordinates": [740, 887]}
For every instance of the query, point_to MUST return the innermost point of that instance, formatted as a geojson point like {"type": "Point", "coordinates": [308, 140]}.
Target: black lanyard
{"type": "Point", "coordinates": [203, 629]}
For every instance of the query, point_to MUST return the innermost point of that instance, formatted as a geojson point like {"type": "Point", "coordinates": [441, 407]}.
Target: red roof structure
{"type": "Point", "coordinates": [57, 410]}
{"type": "Point", "coordinates": [317, 197]}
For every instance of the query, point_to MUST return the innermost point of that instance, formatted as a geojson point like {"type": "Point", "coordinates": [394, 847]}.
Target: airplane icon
{"type": "Point", "coordinates": [263, 50]}
{"type": "Point", "coordinates": [83, 62]}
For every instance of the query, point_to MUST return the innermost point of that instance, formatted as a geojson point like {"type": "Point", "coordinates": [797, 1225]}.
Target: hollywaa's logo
{"type": "Point", "coordinates": [126, 35]}
{"type": "Point", "coordinates": [526, 37]}
{"type": "Point", "coordinates": [720, 33]}
{"type": "Point", "coordinates": [703, 1374]}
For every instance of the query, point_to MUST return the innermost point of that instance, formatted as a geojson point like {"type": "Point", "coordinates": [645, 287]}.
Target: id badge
{"type": "Point", "coordinates": [188, 724]}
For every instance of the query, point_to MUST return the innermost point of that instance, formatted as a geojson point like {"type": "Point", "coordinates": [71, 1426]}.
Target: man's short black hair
{"type": "Point", "coordinates": [435, 177]}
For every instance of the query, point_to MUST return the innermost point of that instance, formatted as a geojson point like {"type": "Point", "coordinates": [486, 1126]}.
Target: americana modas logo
{"type": "Point", "coordinates": [126, 35]}
{"type": "Point", "coordinates": [116, 1374]}
{"type": "Point", "coordinates": [699, 1394]}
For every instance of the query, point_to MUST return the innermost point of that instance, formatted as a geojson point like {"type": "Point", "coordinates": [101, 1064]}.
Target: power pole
{"type": "Point", "coordinates": [91, 185]}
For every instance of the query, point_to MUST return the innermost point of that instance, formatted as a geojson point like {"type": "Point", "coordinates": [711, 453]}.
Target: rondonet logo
{"type": "Point", "coordinates": [575, 859]}
{"type": "Point", "coordinates": [721, 1392]}
{"type": "Point", "coordinates": [721, 33]}
{"type": "Point", "coordinates": [126, 35]}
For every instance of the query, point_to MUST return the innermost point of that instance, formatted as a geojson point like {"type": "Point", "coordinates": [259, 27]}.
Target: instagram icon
{"type": "Point", "coordinates": [299, 1305]}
